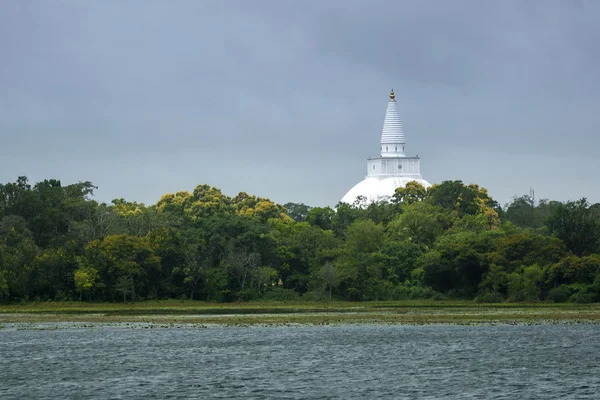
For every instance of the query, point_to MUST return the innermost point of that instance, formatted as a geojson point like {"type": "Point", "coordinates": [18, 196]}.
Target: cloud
{"type": "Point", "coordinates": [286, 99]}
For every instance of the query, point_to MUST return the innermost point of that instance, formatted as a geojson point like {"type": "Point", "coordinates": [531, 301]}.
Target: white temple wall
{"type": "Point", "coordinates": [392, 150]}
{"type": "Point", "coordinates": [402, 166]}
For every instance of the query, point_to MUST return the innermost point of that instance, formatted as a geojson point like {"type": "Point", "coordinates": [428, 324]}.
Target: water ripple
{"type": "Point", "coordinates": [343, 362]}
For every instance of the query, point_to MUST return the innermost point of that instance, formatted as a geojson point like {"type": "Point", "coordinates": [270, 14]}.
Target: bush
{"type": "Point", "coordinates": [62, 296]}
{"type": "Point", "coordinates": [439, 297]}
{"type": "Point", "coordinates": [315, 295]}
{"type": "Point", "coordinates": [354, 294]}
{"type": "Point", "coordinates": [222, 296]}
{"type": "Point", "coordinates": [247, 295]}
{"type": "Point", "coordinates": [401, 292]}
{"type": "Point", "coordinates": [422, 292]}
{"type": "Point", "coordinates": [490, 297]}
{"type": "Point", "coordinates": [582, 298]}
{"type": "Point", "coordinates": [281, 294]}
{"type": "Point", "coordinates": [559, 294]}
{"type": "Point", "coordinates": [377, 289]}
{"type": "Point", "coordinates": [581, 293]}
{"type": "Point", "coordinates": [405, 292]}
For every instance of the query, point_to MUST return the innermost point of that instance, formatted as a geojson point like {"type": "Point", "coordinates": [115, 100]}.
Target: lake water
{"type": "Point", "coordinates": [341, 362]}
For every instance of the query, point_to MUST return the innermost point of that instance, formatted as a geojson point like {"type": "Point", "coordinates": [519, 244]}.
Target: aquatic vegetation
{"type": "Point", "coordinates": [173, 313]}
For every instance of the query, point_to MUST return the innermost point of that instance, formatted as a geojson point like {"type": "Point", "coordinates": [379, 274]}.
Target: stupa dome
{"type": "Point", "coordinates": [375, 189]}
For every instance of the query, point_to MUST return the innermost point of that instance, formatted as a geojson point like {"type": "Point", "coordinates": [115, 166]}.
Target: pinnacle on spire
{"type": "Point", "coordinates": [392, 135]}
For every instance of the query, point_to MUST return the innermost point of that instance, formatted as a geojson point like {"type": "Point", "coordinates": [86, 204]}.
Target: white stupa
{"type": "Point", "coordinates": [393, 168]}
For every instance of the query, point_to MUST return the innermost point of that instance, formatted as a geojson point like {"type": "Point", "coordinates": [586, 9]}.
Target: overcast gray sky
{"type": "Point", "coordinates": [286, 99]}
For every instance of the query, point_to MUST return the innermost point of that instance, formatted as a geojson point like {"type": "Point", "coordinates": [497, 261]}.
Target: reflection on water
{"type": "Point", "coordinates": [344, 362]}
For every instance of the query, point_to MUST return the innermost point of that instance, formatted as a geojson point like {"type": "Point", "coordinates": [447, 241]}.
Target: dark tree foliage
{"type": "Point", "coordinates": [453, 240]}
{"type": "Point", "coordinates": [297, 211]}
{"type": "Point", "coordinates": [321, 217]}
{"type": "Point", "coordinates": [577, 225]}
{"type": "Point", "coordinates": [525, 213]}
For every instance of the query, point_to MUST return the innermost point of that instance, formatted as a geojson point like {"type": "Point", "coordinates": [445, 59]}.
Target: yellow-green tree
{"type": "Point", "coordinates": [176, 203]}
{"type": "Point", "coordinates": [466, 200]}
{"type": "Point", "coordinates": [258, 207]}
{"type": "Point", "coordinates": [127, 261]}
{"type": "Point", "coordinates": [411, 193]}
{"type": "Point", "coordinates": [86, 280]}
{"type": "Point", "coordinates": [203, 202]}
{"type": "Point", "coordinates": [209, 200]}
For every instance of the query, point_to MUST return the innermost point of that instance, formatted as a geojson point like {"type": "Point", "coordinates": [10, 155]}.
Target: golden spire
{"type": "Point", "coordinates": [392, 96]}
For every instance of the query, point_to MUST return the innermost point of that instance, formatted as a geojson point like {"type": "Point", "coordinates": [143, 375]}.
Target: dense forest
{"type": "Point", "coordinates": [449, 241]}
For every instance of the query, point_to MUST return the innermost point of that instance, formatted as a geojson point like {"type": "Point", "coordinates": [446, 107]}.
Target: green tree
{"type": "Point", "coordinates": [515, 286]}
{"type": "Point", "coordinates": [575, 224]}
{"type": "Point", "coordinates": [533, 282]}
{"type": "Point", "coordinates": [302, 249]}
{"type": "Point", "coordinates": [52, 270]}
{"type": "Point", "coordinates": [263, 278]}
{"type": "Point", "coordinates": [411, 193]}
{"type": "Point", "coordinates": [573, 269]}
{"type": "Point", "coordinates": [17, 252]}
{"type": "Point", "coordinates": [195, 265]}
{"type": "Point", "coordinates": [170, 244]}
{"type": "Point", "coordinates": [241, 264]}
{"type": "Point", "coordinates": [420, 223]}
{"type": "Point", "coordinates": [321, 217]}
{"type": "Point", "coordinates": [380, 212]}
{"type": "Point", "coordinates": [205, 201]}
{"type": "Point", "coordinates": [4, 290]}
{"type": "Point", "coordinates": [359, 271]}
{"type": "Point", "coordinates": [86, 279]}
{"type": "Point", "coordinates": [330, 278]}
{"type": "Point", "coordinates": [524, 212]}
{"type": "Point", "coordinates": [258, 207]}
{"type": "Point", "coordinates": [125, 262]}
{"type": "Point", "coordinates": [49, 208]}
{"type": "Point", "coordinates": [526, 248]}
{"type": "Point", "coordinates": [14, 198]}
{"type": "Point", "coordinates": [398, 259]}
{"type": "Point", "coordinates": [345, 215]}
{"type": "Point", "coordinates": [465, 200]}
{"type": "Point", "coordinates": [297, 211]}
{"type": "Point", "coordinates": [494, 281]}
{"type": "Point", "coordinates": [215, 283]}
{"type": "Point", "coordinates": [457, 263]}
{"type": "Point", "coordinates": [364, 237]}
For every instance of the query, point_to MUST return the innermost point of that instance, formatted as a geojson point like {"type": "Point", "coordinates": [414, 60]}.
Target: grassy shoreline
{"type": "Point", "coordinates": [305, 313]}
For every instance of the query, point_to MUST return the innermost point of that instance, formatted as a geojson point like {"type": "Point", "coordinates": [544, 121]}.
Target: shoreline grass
{"type": "Point", "coordinates": [300, 312]}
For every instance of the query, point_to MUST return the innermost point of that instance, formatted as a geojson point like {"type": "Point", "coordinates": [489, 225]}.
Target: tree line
{"type": "Point", "coordinates": [449, 241]}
